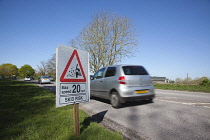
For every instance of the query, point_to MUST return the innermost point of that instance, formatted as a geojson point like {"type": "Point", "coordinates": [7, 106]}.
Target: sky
{"type": "Point", "coordinates": [173, 35]}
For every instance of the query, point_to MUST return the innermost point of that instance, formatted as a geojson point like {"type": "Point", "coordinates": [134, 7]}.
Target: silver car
{"type": "Point", "coordinates": [43, 79]}
{"type": "Point", "coordinates": [51, 78]}
{"type": "Point", "coordinates": [27, 78]}
{"type": "Point", "coordinates": [121, 83]}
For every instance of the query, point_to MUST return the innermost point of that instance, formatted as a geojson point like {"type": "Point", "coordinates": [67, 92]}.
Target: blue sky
{"type": "Point", "coordinates": [174, 35]}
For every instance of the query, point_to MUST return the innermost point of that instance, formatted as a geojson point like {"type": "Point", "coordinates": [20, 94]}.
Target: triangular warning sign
{"type": "Point", "coordinates": [73, 71]}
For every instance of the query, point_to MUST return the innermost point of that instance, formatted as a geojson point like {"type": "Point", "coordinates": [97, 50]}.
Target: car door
{"type": "Point", "coordinates": [109, 81]}
{"type": "Point", "coordinates": [96, 83]}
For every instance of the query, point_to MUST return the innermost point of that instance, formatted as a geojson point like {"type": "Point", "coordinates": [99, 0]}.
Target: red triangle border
{"type": "Point", "coordinates": [62, 79]}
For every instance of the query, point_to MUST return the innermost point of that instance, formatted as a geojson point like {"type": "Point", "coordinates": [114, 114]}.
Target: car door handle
{"type": "Point", "coordinates": [101, 81]}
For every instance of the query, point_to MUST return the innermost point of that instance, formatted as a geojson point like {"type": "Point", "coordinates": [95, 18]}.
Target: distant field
{"type": "Point", "coordinates": [28, 113]}
{"type": "Point", "coordinates": [194, 88]}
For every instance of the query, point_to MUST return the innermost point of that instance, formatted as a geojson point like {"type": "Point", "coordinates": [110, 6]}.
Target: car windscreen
{"type": "Point", "coordinates": [134, 70]}
{"type": "Point", "coordinates": [45, 77]}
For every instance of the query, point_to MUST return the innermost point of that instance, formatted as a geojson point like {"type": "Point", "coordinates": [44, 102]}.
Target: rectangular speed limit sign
{"type": "Point", "coordinates": [73, 92]}
{"type": "Point", "coordinates": [72, 76]}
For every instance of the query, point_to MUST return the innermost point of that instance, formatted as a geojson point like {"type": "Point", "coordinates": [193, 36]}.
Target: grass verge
{"type": "Point", "coordinates": [194, 88]}
{"type": "Point", "coordinates": [28, 112]}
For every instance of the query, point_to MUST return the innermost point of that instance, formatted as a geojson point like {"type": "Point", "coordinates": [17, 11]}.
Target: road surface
{"type": "Point", "coordinates": [173, 115]}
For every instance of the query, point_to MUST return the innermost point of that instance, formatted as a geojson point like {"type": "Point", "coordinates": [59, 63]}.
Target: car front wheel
{"type": "Point", "coordinates": [115, 100]}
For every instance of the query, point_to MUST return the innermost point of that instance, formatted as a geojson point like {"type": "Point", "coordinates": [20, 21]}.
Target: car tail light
{"type": "Point", "coordinates": [122, 80]}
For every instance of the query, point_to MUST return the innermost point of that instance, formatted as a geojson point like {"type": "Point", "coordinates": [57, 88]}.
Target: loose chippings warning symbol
{"type": "Point", "coordinates": [73, 71]}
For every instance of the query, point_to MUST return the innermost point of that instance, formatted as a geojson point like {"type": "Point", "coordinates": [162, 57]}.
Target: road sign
{"type": "Point", "coordinates": [72, 72]}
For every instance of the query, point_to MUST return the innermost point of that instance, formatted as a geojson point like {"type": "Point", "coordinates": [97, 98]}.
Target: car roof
{"type": "Point", "coordinates": [120, 65]}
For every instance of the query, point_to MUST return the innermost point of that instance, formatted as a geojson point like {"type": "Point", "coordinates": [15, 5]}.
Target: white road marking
{"type": "Point", "coordinates": [198, 104]}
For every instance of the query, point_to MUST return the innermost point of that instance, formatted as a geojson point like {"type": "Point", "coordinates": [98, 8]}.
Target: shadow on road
{"type": "Point", "coordinates": [101, 100]}
{"type": "Point", "coordinates": [137, 103]}
{"type": "Point", "coordinates": [98, 118]}
{"type": "Point", "coordinates": [127, 104]}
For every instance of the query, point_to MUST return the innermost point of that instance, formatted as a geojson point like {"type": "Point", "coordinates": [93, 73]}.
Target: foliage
{"type": "Point", "coordinates": [190, 81]}
{"type": "Point", "coordinates": [26, 70]}
{"type": "Point", "coordinates": [8, 70]}
{"type": "Point", "coordinates": [28, 112]}
{"type": "Point", "coordinates": [205, 82]}
{"type": "Point", "coordinates": [108, 39]}
{"type": "Point", "coordinates": [194, 88]}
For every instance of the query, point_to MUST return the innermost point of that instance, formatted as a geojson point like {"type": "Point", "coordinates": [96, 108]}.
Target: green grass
{"type": "Point", "coordinates": [194, 88]}
{"type": "Point", "coordinates": [27, 112]}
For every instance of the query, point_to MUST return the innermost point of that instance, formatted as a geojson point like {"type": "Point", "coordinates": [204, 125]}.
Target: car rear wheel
{"type": "Point", "coordinates": [115, 100]}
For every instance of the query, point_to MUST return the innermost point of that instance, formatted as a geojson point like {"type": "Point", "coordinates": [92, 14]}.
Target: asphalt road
{"type": "Point", "coordinates": [174, 115]}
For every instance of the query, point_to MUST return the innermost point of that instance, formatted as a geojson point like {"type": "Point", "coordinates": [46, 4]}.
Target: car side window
{"type": "Point", "coordinates": [99, 74]}
{"type": "Point", "coordinates": [111, 71]}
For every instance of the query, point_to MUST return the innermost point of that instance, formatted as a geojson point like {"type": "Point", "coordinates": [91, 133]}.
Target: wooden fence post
{"type": "Point", "coordinates": [76, 119]}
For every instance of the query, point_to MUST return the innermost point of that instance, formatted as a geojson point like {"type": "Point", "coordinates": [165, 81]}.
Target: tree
{"type": "Point", "coordinates": [8, 70]}
{"type": "Point", "coordinates": [205, 82]}
{"type": "Point", "coordinates": [179, 80]}
{"type": "Point", "coordinates": [51, 65]}
{"type": "Point", "coordinates": [108, 39]}
{"type": "Point", "coordinates": [42, 69]}
{"type": "Point", "coordinates": [48, 67]}
{"type": "Point", "coordinates": [26, 70]}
